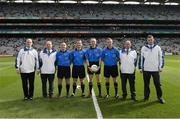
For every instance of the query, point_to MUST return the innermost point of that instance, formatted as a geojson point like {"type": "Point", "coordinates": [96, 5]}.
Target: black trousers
{"type": "Point", "coordinates": [50, 78]}
{"type": "Point", "coordinates": [28, 84]}
{"type": "Point", "coordinates": [156, 78]}
{"type": "Point", "coordinates": [131, 78]}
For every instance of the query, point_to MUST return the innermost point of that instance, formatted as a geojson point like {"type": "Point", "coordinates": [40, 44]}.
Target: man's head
{"type": "Point", "coordinates": [63, 46]}
{"type": "Point", "coordinates": [29, 42]}
{"type": "Point", "coordinates": [93, 42]}
{"type": "Point", "coordinates": [109, 42]}
{"type": "Point", "coordinates": [78, 44]}
{"type": "Point", "coordinates": [150, 39]}
{"type": "Point", "coordinates": [49, 45]}
{"type": "Point", "coordinates": [127, 44]}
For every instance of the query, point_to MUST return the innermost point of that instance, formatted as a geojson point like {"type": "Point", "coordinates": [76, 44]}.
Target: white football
{"type": "Point", "coordinates": [94, 68]}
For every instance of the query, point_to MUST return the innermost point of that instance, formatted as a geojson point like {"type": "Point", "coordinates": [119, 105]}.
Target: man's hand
{"type": "Point", "coordinates": [17, 71]}
{"type": "Point", "coordinates": [38, 72]}
{"type": "Point", "coordinates": [98, 68]}
{"type": "Point", "coordinates": [90, 69]}
{"type": "Point", "coordinates": [140, 70]}
{"type": "Point", "coordinates": [160, 69]}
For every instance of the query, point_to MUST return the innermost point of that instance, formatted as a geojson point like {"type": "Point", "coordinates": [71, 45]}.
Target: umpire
{"type": "Point", "coordinates": [47, 58]}
{"type": "Point", "coordinates": [128, 59]}
{"type": "Point", "coordinates": [26, 64]}
{"type": "Point", "coordinates": [151, 64]}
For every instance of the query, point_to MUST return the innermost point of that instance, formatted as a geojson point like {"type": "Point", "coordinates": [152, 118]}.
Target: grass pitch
{"type": "Point", "coordinates": [12, 105]}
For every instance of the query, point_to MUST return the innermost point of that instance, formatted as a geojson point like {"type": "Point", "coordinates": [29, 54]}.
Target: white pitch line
{"type": "Point", "coordinates": [96, 105]}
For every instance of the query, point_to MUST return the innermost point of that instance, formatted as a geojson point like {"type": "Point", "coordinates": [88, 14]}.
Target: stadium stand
{"type": "Point", "coordinates": [12, 45]}
{"type": "Point", "coordinates": [86, 11]}
{"type": "Point", "coordinates": [65, 22]}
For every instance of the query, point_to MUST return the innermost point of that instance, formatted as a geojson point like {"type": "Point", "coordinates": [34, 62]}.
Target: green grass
{"type": "Point", "coordinates": [12, 105]}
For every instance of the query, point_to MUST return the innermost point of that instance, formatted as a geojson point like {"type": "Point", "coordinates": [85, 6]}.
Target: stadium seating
{"type": "Point", "coordinates": [12, 45]}
{"type": "Point", "coordinates": [85, 11]}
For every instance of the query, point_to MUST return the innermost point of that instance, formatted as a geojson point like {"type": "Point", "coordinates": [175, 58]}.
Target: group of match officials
{"type": "Point", "coordinates": [151, 62]}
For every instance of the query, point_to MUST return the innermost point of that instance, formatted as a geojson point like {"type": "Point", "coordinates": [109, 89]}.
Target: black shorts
{"type": "Point", "coordinates": [78, 72]}
{"type": "Point", "coordinates": [64, 72]}
{"type": "Point", "coordinates": [111, 71]}
{"type": "Point", "coordinates": [92, 63]}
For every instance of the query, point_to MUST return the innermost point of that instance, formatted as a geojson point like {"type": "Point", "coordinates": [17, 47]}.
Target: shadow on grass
{"type": "Point", "coordinates": [118, 108]}
{"type": "Point", "coordinates": [56, 107]}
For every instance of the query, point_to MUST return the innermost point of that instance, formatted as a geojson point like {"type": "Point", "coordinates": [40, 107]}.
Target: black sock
{"type": "Point", "coordinates": [116, 88]}
{"type": "Point", "coordinates": [99, 87]}
{"type": "Point", "coordinates": [67, 89]}
{"type": "Point", "coordinates": [82, 87]}
{"type": "Point", "coordinates": [90, 87]}
{"type": "Point", "coordinates": [59, 89]}
{"type": "Point", "coordinates": [74, 88]}
{"type": "Point", "coordinates": [107, 87]}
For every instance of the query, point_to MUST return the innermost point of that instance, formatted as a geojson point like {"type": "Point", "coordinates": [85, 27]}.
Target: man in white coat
{"type": "Point", "coordinates": [151, 64]}
{"type": "Point", "coordinates": [128, 60]}
{"type": "Point", "coordinates": [47, 59]}
{"type": "Point", "coordinates": [26, 64]}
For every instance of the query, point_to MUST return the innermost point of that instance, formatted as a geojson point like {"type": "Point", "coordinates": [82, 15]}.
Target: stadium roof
{"type": "Point", "coordinates": [150, 2]}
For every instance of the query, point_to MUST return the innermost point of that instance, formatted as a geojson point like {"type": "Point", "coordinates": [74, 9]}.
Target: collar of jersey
{"type": "Point", "coordinates": [27, 49]}
{"type": "Point", "coordinates": [45, 50]}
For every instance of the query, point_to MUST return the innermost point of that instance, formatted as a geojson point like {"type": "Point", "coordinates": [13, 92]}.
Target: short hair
{"type": "Point", "coordinates": [78, 40]}
{"type": "Point", "coordinates": [29, 39]}
{"type": "Point", "coordinates": [93, 38]}
{"type": "Point", "coordinates": [62, 42]}
{"type": "Point", "coordinates": [109, 38]}
{"type": "Point", "coordinates": [49, 41]}
{"type": "Point", "coordinates": [150, 36]}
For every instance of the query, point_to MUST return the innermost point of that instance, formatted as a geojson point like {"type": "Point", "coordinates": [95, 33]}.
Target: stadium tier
{"type": "Point", "coordinates": [121, 21]}
{"type": "Point", "coordinates": [13, 45]}
{"type": "Point", "coordinates": [86, 11]}
{"type": "Point", "coordinates": [22, 19]}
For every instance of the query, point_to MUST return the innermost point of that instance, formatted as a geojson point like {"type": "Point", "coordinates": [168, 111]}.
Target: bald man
{"type": "Point", "coordinates": [128, 60]}
{"type": "Point", "coordinates": [47, 59]}
{"type": "Point", "coordinates": [26, 64]}
{"type": "Point", "coordinates": [63, 58]}
{"type": "Point", "coordinates": [93, 57]}
{"type": "Point", "coordinates": [78, 70]}
{"type": "Point", "coordinates": [110, 57]}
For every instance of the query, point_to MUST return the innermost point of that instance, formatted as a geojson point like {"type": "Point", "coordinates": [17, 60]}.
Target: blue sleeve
{"type": "Point", "coordinates": [103, 54]}
{"type": "Point", "coordinates": [120, 52]}
{"type": "Point", "coordinates": [117, 54]}
{"type": "Point", "coordinates": [71, 56]}
{"type": "Point", "coordinates": [141, 62]}
{"type": "Point", "coordinates": [100, 51]}
{"type": "Point", "coordinates": [16, 61]}
{"type": "Point", "coordinates": [135, 62]}
{"type": "Point", "coordinates": [86, 54]}
{"type": "Point", "coordinates": [40, 62]}
{"type": "Point", "coordinates": [84, 57]}
{"type": "Point", "coordinates": [56, 62]}
{"type": "Point", "coordinates": [163, 53]}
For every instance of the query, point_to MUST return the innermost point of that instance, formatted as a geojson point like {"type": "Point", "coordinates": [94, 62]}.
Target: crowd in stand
{"type": "Point", "coordinates": [10, 46]}
{"type": "Point", "coordinates": [96, 11]}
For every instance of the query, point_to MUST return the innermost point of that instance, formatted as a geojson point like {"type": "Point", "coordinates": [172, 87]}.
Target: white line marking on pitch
{"type": "Point", "coordinates": [96, 105]}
